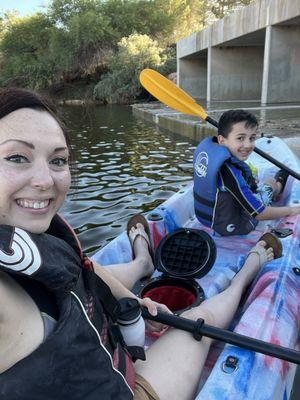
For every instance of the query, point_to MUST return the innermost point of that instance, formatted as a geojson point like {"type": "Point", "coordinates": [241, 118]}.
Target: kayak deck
{"type": "Point", "coordinates": [269, 310]}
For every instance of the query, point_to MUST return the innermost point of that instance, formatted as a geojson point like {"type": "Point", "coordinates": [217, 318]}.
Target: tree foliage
{"type": "Point", "coordinates": [121, 83]}
{"type": "Point", "coordinates": [74, 39]}
{"type": "Point", "coordinates": [76, 47]}
{"type": "Point", "coordinates": [61, 11]}
{"type": "Point", "coordinates": [23, 45]}
{"type": "Point", "coordinates": [220, 8]}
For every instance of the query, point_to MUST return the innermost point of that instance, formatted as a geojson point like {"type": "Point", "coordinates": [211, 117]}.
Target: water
{"type": "Point", "coordinates": [125, 166]}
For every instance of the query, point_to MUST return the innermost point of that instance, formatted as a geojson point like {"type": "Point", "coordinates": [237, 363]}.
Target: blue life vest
{"type": "Point", "coordinates": [222, 210]}
{"type": "Point", "coordinates": [209, 156]}
{"type": "Point", "coordinates": [84, 357]}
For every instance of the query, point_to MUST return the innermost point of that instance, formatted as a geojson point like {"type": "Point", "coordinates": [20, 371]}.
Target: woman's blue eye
{"type": "Point", "coordinates": [60, 161]}
{"type": "Point", "coordinates": [17, 158]}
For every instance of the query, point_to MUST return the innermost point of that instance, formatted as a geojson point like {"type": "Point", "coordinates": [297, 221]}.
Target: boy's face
{"type": "Point", "coordinates": [240, 140]}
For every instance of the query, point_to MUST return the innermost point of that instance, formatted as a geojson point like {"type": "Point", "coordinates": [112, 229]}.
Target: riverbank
{"type": "Point", "coordinates": [282, 121]}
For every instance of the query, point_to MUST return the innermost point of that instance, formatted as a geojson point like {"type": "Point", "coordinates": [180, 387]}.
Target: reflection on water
{"type": "Point", "coordinates": [125, 166]}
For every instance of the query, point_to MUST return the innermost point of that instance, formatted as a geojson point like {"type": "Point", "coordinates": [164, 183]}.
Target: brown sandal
{"type": "Point", "coordinates": [274, 242]}
{"type": "Point", "coordinates": [133, 221]}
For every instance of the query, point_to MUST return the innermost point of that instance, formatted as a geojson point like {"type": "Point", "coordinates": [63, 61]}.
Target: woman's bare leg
{"type": "Point", "coordinates": [140, 267]}
{"type": "Point", "coordinates": [175, 361]}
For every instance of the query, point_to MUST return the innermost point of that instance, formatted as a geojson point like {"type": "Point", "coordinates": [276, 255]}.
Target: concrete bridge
{"type": "Point", "coordinates": [252, 54]}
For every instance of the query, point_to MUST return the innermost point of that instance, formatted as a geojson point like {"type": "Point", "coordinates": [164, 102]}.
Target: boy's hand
{"type": "Point", "coordinates": [294, 210]}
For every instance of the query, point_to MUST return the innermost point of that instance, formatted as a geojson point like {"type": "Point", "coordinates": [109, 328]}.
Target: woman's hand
{"type": "Point", "coordinates": [153, 307]}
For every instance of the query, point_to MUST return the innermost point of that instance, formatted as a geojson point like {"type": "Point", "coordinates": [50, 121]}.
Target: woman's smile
{"type": "Point", "coordinates": [34, 205]}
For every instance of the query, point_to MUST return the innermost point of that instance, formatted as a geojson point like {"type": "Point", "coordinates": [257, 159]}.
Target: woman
{"type": "Point", "coordinates": [57, 318]}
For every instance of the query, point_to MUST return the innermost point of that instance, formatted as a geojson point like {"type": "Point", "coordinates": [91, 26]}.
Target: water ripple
{"type": "Point", "coordinates": [118, 178]}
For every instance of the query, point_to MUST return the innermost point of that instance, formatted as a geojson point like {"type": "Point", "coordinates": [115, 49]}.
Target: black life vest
{"type": "Point", "coordinates": [82, 358]}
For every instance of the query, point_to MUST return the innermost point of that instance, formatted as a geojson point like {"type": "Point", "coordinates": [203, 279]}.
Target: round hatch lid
{"type": "Point", "coordinates": [186, 253]}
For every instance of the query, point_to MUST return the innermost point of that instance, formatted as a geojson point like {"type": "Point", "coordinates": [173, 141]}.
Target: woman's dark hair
{"type": "Point", "coordinates": [12, 99]}
{"type": "Point", "coordinates": [231, 117]}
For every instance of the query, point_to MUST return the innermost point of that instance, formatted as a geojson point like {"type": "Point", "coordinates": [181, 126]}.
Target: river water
{"type": "Point", "coordinates": [125, 166]}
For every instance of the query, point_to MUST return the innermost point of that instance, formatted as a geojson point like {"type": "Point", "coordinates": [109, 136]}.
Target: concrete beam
{"type": "Point", "coordinates": [265, 79]}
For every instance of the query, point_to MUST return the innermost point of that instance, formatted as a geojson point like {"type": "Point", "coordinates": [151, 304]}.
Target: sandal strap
{"type": "Point", "coordinates": [139, 232]}
{"type": "Point", "coordinates": [261, 251]}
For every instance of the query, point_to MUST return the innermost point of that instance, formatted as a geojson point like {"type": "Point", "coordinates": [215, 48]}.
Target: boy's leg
{"type": "Point", "coordinates": [175, 361]}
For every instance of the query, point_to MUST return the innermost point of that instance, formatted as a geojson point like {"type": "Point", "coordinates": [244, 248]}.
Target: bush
{"type": "Point", "coordinates": [121, 84]}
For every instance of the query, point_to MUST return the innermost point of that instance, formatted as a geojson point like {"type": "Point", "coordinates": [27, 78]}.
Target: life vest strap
{"type": "Point", "coordinates": [102, 292]}
{"type": "Point", "coordinates": [202, 200]}
{"type": "Point", "coordinates": [203, 215]}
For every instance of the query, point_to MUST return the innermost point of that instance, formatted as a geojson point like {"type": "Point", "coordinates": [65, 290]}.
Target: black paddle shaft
{"type": "Point", "coordinates": [263, 154]}
{"type": "Point", "coordinates": [199, 329]}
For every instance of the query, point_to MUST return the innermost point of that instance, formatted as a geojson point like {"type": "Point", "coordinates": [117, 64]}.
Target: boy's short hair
{"type": "Point", "coordinates": [231, 117]}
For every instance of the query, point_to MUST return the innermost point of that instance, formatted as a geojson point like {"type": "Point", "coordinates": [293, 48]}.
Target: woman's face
{"type": "Point", "coordinates": [34, 170]}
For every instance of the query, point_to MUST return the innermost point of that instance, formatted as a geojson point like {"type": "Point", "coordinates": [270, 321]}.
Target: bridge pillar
{"type": "Point", "coordinates": [281, 76]}
{"type": "Point", "coordinates": [192, 74]}
{"type": "Point", "coordinates": [236, 72]}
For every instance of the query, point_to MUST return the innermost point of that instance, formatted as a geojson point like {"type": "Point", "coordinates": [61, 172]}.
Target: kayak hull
{"type": "Point", "coordinates": [268, 312]}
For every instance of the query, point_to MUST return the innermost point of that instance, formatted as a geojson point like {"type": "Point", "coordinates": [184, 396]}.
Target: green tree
{"type": "Point", "coordinates": [61, 11]}
{"type": "Point", "coordinates": [121, 84]}
{"type": "Point", "coordinates": [141, 16]}
{"type": "Point", "coordinates": [164, 20]}
{"type": "Point", "coordinates": [223, 7]}
{"type": "Point", "coordinates": [75, 38]}
{"type": "Point", "coordinates": [25, 59]}
{"type": "Point", "coordinates": [78, 48]}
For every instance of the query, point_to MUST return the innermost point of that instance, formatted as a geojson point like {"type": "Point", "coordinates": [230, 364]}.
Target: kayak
{"type": "Point", "coordinates": [269, 311]}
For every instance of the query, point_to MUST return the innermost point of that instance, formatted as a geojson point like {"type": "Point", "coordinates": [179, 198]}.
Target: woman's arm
{"type": "Point", "coordinates": [278, 212]}
{"type": "Point", "coordinates": [117, 288]}
{"type": "Point", "coordinates": [120, 291]}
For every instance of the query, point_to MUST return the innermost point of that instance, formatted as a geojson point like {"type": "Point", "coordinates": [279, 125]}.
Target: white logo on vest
{"type": "Point", "coordinates": [230, 228]}
{"type": "Point", "coordinates": [24, 256]}
{"type": "Point", "coordinates": [201, 164]}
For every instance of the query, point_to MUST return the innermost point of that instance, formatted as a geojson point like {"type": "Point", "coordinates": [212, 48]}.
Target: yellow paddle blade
{"type": "Point", "coordinates": [170, 94]}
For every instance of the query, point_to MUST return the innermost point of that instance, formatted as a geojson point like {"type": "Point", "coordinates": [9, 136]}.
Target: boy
{"type": "Point", "coordinates": [226, 195]}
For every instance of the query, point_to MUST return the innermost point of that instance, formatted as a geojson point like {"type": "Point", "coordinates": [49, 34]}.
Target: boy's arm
{"type": "Point", "coordinates": [239, 188]}
{"type": "Point", "coordinates": [236, 184]}
{"type": "Point", "coordinates": [278, 212]}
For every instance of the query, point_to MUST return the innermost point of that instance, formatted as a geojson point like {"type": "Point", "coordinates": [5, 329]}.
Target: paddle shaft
{"type": "Point", "coordinates": [199, 328]}
{"type": "Point", "coordinates": [263, 154]}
